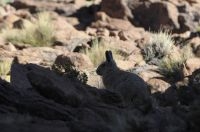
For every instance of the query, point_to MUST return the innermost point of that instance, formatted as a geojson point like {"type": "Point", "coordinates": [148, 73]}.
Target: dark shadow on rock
{"type": "Point", "coordinates": [57, 102]}
{"type": "Point", "coordinates": [21, 5]}
{"type": "Point", "coordinates": [86, 15]}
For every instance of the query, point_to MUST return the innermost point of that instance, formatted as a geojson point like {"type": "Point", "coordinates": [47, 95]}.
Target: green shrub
{"type": "Point", "coordinates": [71, 72]}
{"type": "Point", "coordinates": [159, 46]}
{"type": "Point", "coordinates": [38, 33]}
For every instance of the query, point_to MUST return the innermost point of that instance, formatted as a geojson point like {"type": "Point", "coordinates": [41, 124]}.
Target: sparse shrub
{"type": "Point", "coordinates": [4, 70]}
{"type": "Point", "coordinates": [71, 72]}
{"type": "Point", "coordinates": [97, 50]}
{"type": "Point", "coordinates": [171, 68]}
{"type": "Point", "coordinates": [38, 33]}
{"type": "Point", "coordinates": [159, 46]}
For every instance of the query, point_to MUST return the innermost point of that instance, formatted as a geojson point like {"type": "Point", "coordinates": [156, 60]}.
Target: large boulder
{"type": "Point", "coordinates": [192, 64]}
{"type": "Point", "coordinates": [150, 15]}
{"type": "Point", "coordinates": [116, 8]}
{"type": "Point", "coordinates": [156, 15]}
{"type": "Point", "coordinates": [79, 60]}
{"type": "Point", "coordinates": [179, 16]}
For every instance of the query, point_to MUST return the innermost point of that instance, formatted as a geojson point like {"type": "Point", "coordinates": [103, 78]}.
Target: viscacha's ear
{"type": "Point", "coordinates": [109, 56]}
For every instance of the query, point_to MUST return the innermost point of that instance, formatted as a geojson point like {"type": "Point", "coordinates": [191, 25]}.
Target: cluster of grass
{"type": "Point", "coordinates": [172, 66]}
{"type": "Point", "coordinates": [4, 70]}
{"type": "Point", "coordinates": [37, 33]}
{"type": "Point", "coordinates": [159, 46]}
{"type": "Point", "coordinates": [96, 52]}
{"type": "Point", "coordinates": [71, 72]}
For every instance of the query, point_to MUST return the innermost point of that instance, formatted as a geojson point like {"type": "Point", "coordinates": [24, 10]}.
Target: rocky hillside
{"type": "Point", "coordinates": [50, 49]}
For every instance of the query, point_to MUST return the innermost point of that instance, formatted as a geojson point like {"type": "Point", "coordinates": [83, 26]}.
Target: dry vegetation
{"type": "Point", "coordinates": [96, 52]}
{"type": "Point", "coordinates": [4, 70]}
{"type": "Point", "coordinates": [37, 33]}
{"type": "Point", "coordinates": [159, 46]}
{"type": "Point", "coordinates": [172, 65]}
{"type": "Point", "coordinates": [171, 68]}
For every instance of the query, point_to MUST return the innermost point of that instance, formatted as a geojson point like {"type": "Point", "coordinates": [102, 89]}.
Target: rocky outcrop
{"type": "Point", "coordinates": [54, 100]}
{"type": "Point", "coordinates": [39, 98]}
{"type": "Point", "coordinates": [78, 60]}
{"type": "Point", "coordinates": [116, 8]}
{"type": "Point", "coordinates": [155, 14]}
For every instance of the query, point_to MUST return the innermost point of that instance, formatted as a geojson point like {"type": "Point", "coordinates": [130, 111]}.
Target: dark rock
{"type": "Point", "coordinates": [18, 78]}
{"type": "Point", "coordinates": [18, 24]}
{"type": "Point", "coordinates": [116, 8]}
{"type": "Point", "coordinates": [156, 15]}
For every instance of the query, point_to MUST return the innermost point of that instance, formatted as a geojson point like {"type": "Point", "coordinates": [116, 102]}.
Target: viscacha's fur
{"type": "Point", "coordinates": [129, 85]}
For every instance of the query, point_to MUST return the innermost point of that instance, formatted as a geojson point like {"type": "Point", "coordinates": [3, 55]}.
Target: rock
{"type": "Point", "coordinates": [10, 20]}
{"type": "Point", "coordinates": [158, 85]}
{"type": "Point", "coordinates": [125, 48]}
{"type": "Point", "coordinates": [73, 21]}
{"type": "Point", "coordinates": [22, 4]}
{"type": "Point", "coordinates": [6, 54]}
{"type": "Point", "coordinates": [51, 86]}
{"type": "Point", "coordinates": [33, 6]}
{"type": "Point", "coordinates": [79, 60]}
{"type": "Point", "coordinates": [102, 16]}
{"type": "Point", "coordinates": [125, 65]}
{"type": "Point", "coordinates": [66, 32]}
{"type": "Point", "coordinates": [197, 51]}
{"type": "Point", "coordinates": [132, 34]}
{"type": "Point", "coordinates": [91, 31]}
{"type": "Point", "coordinates": [94, 80]}
{"type": "Point", "coordinates": [2, 12]}
{"type": "Point", "coordinates": [8, 47]}
{"type": "Point", "coordinates": [179, 16]}
{"type": "Point", "coordinates": [194, 81]}
{"type": "Point", "coordinates": [189, 16]}
{"type": "Point", "coordinates": [192, 64]}
{"type": "Point", "coordinates": [102, 32]}
{"type": "Point", "coordinates": [116, 8]}
{"type": "Point", "coordinates": [23, 13]}
{"type": "Point", "coordinates": [6, 10]}
{"type": "Point", "coordinates": [156, 15]}
{"type": "Point", "coordinates": [194, 43]}
{"type": "Point", "coordinates": [133, 55]}
{"type": "Point", "coordinates": [105, 21]}
{"type": "Point", "coordinates": [18, 78]}
{"type": "Point", "coordinates": [16, 122]}
{"type": "Point", "coordinates": [147, 72]}
{"type": "Point", "coordinates": [58, 103]}
{"type": "Point", "coordinates": [18, 24]}
{"type": "Point", "coordinates": [40, 55]}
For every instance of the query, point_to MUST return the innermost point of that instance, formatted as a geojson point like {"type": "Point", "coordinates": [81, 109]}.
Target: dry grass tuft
{"type": "Point", "coordinates": [172, 66]}
{"type": "Point", "coordinates": [38, 33]}
{"type": "Point", "coordinates": [4, 70]}
{"type": "Point", "coordinates": [159, 46]}
{"type": "Point", "coordinates": [96, 52]}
